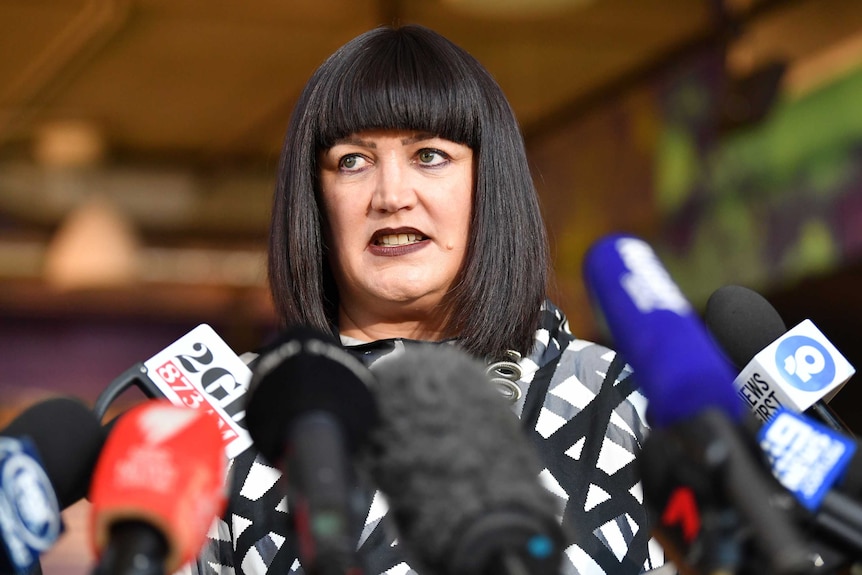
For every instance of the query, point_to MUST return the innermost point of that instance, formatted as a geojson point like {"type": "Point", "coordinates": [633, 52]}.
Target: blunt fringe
{"type": "Point", "coordinates": [413, 78]}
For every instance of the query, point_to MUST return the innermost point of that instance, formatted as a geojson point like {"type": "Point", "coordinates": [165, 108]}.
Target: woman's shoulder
{"type": "Point", "coordinates": [566, 376]}
{"type": "Point", "coordinates": [557, 348]}
{"type": "Point", "coordinates": [586, 417]}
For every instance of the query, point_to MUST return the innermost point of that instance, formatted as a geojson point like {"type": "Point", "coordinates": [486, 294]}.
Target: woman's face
{"type": "Point", "coordinates": [398, 206]}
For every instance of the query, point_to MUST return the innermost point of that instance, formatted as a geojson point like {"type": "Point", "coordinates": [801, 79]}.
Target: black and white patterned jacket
{"type": "Point", "coordinates": [587, 435]}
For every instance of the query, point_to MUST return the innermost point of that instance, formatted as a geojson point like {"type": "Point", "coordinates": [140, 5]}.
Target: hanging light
{"type": "Point", "coordinates": [69, 144]}
{"type": "Point", "coordinates": [96, 246]}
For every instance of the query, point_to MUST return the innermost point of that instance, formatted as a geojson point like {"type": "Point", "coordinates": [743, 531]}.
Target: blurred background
{"type": "Point", "coordinates": [139, 141]}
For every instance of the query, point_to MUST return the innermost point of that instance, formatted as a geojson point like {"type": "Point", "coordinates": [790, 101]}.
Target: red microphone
{"type": "Point", "coordinates": [158, 485]}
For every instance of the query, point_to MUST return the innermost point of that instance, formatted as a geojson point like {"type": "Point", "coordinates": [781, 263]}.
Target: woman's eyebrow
{"type": "Point", "coordinates": [419, 137]}
{"type": "Point", "coordinates": [352, 140]}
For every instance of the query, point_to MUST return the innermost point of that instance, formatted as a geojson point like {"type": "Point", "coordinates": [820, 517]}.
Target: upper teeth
{"type": "Point", "coordinates": [398, 239]}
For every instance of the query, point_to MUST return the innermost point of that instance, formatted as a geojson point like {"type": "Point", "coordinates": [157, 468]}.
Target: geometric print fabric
{"type": "Point", "coordinates": [581, 411]}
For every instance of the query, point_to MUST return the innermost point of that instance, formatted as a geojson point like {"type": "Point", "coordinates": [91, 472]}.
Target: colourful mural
{"type": "Point", "coordinates": [763, 205]}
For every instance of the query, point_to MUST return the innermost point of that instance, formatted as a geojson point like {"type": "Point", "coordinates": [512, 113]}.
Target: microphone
{"type": "Point", "coordinates": [656, 330]}
{"type": "Point", "coordinates": [797, 369]}
{"type": "Point", "coordinates": [309, 410]}
{"type": "Point", "coordinates": [808, 459]}
{"type": "Point", "coordinates": [716, 502]}
{"type": "Point", "coordinates": [47, 455]}
{"type": "Point", "coordinates": [200, 371]}
{"type": "Point", "coordinates": [158, 486]}
{"type": "Point", "coordinates": [811, 459]}
{"type": "Point", "coordinates": [458, 473]}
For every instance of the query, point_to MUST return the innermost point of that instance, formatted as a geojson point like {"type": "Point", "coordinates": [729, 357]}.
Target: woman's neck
{"type": "Point", "coordinates": [377, 328]}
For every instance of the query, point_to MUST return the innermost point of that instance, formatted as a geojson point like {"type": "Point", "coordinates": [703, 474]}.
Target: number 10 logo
{"type": "Point", "coordinates": [805, 363]}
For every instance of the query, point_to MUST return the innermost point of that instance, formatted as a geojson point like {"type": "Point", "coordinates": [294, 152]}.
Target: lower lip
{"type": "Point", "coordinates": [393, 251]}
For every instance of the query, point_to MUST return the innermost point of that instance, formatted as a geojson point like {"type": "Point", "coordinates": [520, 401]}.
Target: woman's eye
{"type": "Point", "coordinates": [431, 157]}
{"type": "Point", "coordinates": [350, 162]}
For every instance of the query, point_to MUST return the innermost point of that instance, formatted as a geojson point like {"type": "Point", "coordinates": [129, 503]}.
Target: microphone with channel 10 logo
{"type": "Point", "coordinates": [796, 371]}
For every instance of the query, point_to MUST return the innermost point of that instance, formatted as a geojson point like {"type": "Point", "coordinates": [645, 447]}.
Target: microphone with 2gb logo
{"type": "Point", "coordinates": [200, 371]}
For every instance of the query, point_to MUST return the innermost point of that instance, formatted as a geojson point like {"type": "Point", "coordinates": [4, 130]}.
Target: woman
{"type": "Point", "coordinates": [405, 210]}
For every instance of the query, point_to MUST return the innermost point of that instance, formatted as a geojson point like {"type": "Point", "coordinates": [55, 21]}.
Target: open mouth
{"type": "Point", "coordinates": [393, 240]}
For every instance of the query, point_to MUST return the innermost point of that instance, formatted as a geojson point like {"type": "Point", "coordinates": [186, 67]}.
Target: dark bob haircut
{"type": "Point", "coordinates": [412, 78]}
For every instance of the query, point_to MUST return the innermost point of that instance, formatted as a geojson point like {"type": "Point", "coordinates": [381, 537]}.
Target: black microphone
{"type": "Point", "coordinates": [47, 456]}
{"type": "Point", "coordinates": [458, 473]}
{"type": "Point", "coordinates": [748, 328]}
{"type": "Point", "coordinates": [309, 410]}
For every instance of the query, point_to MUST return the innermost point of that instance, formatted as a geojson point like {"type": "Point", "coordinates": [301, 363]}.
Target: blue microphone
{"type": "Point", "coordinates": [716, 504]}
{"type": "Point", "coordinates": [47, 455]}
{"type": "Point", "coordinates": [655, 328]}
{"type": "Point", "coordinates": [820, 466]}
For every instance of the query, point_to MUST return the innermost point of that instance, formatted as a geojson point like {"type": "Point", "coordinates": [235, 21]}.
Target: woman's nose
{"type": "Point", "coordinates": [393, 189]}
